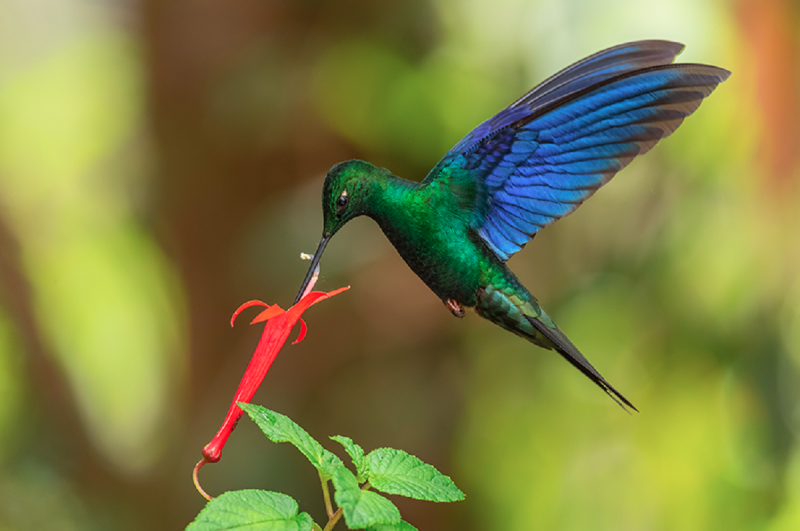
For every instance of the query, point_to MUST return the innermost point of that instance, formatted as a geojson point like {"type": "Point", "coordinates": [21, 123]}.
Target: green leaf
{"type": "Point", "coordinates": [251, 510]}
{"type": "Point", "coordinates": [315, 527]}
{"type": "Point", "coordinates": [402, 526]}
{"type": "Point", "coordinates": [397, 472]}
{"type": "Point", "coordinates": [280, 428]}
{"type": "Point", "coordinates": [361, 508]}
{"type": "Point", "coordinates": [355, 452]}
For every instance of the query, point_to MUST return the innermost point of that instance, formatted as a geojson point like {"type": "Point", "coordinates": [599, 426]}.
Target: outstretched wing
{"type": "Point", "coordinates": [540, 158]}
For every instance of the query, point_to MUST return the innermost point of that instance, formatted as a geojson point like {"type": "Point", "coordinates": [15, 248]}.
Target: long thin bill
{"type": "Point", "coordinates": [314, 262]}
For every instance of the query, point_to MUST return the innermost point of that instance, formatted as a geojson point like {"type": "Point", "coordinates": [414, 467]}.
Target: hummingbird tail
{"type": "Point", "coordinates": [571, 353]}
{"type": "Point", "coordinates": [523, 316]}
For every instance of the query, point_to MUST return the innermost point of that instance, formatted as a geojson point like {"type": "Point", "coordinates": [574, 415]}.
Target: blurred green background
{"type": "Point", "coordinates": [161, 162]}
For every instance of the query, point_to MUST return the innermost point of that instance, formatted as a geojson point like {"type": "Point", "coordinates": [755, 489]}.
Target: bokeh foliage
{"type": "Point", "coordinates": [160, 163]}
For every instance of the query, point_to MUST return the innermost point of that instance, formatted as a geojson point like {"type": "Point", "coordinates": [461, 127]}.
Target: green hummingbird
{"type": "Point", "coordinates": [529, 165]}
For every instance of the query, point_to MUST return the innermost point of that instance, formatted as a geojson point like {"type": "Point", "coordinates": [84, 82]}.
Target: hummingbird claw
{"type": "Point", "coordinates": [455, 308]}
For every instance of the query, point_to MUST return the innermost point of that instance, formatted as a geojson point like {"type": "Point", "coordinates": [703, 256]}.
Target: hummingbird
{"type": "Point", "coordinates": [529, 165]}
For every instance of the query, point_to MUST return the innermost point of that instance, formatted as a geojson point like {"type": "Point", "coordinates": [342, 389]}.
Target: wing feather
{"type": "Point", "coordinates": [543, 156]}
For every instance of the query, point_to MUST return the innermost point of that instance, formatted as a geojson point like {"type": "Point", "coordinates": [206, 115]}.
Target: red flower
{"type": "Point", "coordinates": [279, 324]}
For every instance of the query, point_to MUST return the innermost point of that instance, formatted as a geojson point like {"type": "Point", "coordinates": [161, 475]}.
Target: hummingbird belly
{"type": "Point", "coordinates": [453, 268]}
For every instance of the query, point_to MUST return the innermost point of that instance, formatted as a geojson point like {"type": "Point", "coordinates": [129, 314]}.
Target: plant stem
{"type": "Point", "coordinates": [197, 468]}
{"type": "Point", "coordinates": [327, 495]}
{"type": "Point", "coordinates": [334, 518]}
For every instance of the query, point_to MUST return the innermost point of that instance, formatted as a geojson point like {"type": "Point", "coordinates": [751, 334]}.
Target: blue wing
{"type": "Point", "coordinates": [539, 159]}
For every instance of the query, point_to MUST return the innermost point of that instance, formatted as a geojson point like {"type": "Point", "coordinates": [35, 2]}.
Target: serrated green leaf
{"type": "Point", "coordinates": [355, 452]}
{"type": "Point", "coordinates": [397, 472]}
{"type": "Point", "coordinates": [251, 510]}
{"type": "Point", "coordinates": [280, 428]}
{"type": "Point", "coordinates": [361, 508]}
{"type": "Point", "coordinates": [402, 526]}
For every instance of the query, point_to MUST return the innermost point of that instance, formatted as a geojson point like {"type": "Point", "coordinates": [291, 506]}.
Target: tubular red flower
{"type": "Point", "coordinates": [279, 324]}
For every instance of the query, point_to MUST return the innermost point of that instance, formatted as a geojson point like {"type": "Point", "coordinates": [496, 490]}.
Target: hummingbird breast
{"type": "Point", "coordinates": [431, 232]}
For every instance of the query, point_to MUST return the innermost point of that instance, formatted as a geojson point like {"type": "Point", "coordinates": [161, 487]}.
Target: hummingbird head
{"type": "Point", "coordinates": [345, 195]}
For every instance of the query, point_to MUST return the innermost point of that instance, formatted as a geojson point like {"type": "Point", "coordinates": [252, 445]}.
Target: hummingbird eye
{"type": "Point", "coordinates": [341, 203]}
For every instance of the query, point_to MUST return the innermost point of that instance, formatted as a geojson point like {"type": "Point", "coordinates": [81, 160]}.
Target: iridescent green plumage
{"type": "Point", "coordinates": [531, 164]}
{"type": "Point", "coordinates": [429, 224]}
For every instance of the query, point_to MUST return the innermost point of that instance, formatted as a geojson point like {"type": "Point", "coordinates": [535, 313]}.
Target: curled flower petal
{"type": "Point", "coordinates": [302, 334]}
{"type": "Point", "coordinates": [311, 299]}
{"type": "Point", "coordinates": [248, 304]}
{"type": "Point", "coordinates": [269, 313]}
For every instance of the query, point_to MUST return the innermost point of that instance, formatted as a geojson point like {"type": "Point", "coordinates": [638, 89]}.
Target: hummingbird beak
{"type": "Point", "coordinates": [314, 262]}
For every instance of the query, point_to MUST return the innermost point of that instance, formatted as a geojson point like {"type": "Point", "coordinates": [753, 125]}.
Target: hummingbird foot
{"type": "Point", "coordinates": [455, 308]}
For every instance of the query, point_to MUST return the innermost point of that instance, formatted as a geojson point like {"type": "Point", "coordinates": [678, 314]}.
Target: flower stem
{"type": "Point", "coordinates": [327, 495]}
{"type": "Point", "coordinates": [197, 468]}
{"type": "Point", "coordinates": [333, 519]}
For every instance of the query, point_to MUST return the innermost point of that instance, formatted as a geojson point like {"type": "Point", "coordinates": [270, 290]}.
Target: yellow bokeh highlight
{"type": "Point", "coordinates": [104, 294]}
